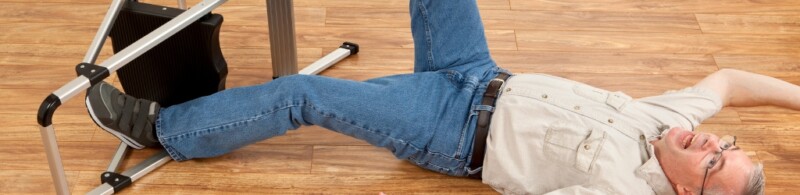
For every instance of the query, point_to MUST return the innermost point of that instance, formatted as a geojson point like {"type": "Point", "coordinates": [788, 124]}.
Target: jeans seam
{"type": "Point", "coordinates": [461, 142]}
{"type": "Point", "coordinates": [416, 148]}
{"type": "Point", "coordinates": [213, 128]}
{"type": "Point", "coordinates": [428, 36]}
{"type": "Point", "coordinates": [429, 164]}
{"type": "Point", "coordinates": [304, 103]}
{"type": "Point", "coordinates": [170, 150]}
{"type": "Point", "coordinates": [344, 121]}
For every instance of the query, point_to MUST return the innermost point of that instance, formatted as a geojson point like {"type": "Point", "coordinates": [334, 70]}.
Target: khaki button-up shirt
{"type": "Point", "coordinates": [558, 136]}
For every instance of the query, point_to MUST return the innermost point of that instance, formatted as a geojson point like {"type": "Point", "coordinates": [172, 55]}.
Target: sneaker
{"type": "Point", "coordinates": [130, 119]}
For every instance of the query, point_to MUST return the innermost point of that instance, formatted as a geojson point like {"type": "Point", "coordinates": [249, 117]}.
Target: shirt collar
{"type": "Point", "coordinates": [651, 172]}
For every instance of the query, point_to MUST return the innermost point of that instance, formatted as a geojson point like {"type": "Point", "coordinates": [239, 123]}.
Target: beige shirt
{"type": "Point", "coordinates": [557, 136]}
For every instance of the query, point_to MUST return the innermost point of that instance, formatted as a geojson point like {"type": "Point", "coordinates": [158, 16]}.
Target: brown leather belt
{"type": "Point", "coordinates": [484, 118]}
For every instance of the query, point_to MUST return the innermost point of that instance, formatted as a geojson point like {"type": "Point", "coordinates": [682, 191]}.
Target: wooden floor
{"type": "Point", "coordinates": [640, 47]}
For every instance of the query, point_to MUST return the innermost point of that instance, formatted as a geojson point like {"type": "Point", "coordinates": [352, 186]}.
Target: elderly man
{"type": "Point", "coordinates": [461, 115]}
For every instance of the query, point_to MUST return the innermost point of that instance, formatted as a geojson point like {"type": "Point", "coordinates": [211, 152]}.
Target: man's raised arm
{"type": "Point", "coordinates": [743, 89]}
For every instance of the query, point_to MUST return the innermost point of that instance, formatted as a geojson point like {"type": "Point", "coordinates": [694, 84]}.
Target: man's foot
{"type": "Point", "coordinates": [130, 119]}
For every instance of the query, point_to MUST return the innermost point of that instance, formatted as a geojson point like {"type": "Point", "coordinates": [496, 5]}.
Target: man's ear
{"type": "Point", "coordinates": [683, 190]}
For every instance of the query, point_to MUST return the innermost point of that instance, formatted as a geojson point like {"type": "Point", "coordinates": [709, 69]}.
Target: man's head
{"type": "Point", "coordinates": [685, 156]}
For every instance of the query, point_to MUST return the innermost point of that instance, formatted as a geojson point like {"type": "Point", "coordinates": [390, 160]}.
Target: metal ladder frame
{"type": "Point", "coordinates": [284, 55]}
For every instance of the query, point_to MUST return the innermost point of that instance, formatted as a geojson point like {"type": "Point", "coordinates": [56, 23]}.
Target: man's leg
{"type": "Point", "coordinates": [448, 34]}
{"type": "Point", "coordinates": [391, 112]}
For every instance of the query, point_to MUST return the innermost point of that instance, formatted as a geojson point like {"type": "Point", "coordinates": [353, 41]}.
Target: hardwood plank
{"type": "Point", "coordinates": [253, 183]}
{"type": "Point", "coordinates": [581, 62]}
{"type": "Point", "coordinates": [776, 66]}
{"type": "Point", "coordinates": [32, 181]}
{"type": "Point", "coordinates": [18, 127]}
{"type": "Point", "coordinates": [768, 115]}
{"type": "Point", "coordinates": [35, 76]}
{"type": "Point", "coordinates": [673, 6]}
{"type": "Point", "coordinates": [93, 13]}
{"type": "Point", "coordinates": [749, 24]}
{"type": "Point", "coordinates": [258, 158]}
{"type": "Point", "coordinates": [76, 156]}
{"type": "Point", "coordinates": [378, 17]}
{"type": "Point", "coordinates": [27, 101]}
{"type": "Point", "coordinates": [66, 55]}
{"type": "Point", "coordinates": [483, 4]}
{"type": "Point", "coordinates": [384, 38]}
{"type": "Point", "coordinates": [257, 15]}
{"type": "Point", "coordinates": [315, 37]}
{"type": "Point", "coordinates": [501, 40]}
{"type": "Point", "coordinates": [369, 59]}
{"type": "Point", "coordinates": [157, 2]}
{"type": "Point", "coordinates": [349, 160]}
{"type": "Point", "coordinates": [590, 21]}
{"type": "Point", "coordinates": [259, 57]}
{"type": "Point", "coordinates": [42, 33]}
{"type": "Point", "coordinates": [782, 176]}
{"type": "Point", "coordinates": [95, 156]}
{"type": "Point", "coordinates": [51, 13]}
{"type": "Point", "coordinates": [657, 42]}
{"type": "Point", "coordinates": [725, 116]}
{"type": "Point", "coordinates": [772, 137]}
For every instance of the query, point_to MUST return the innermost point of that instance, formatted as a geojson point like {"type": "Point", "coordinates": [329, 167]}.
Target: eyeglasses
{"type": "Point", "coordinates": [726, 142]}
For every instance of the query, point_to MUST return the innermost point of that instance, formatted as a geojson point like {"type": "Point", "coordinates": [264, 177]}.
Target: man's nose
{"type": "Point", "coordinates": [712, 144]}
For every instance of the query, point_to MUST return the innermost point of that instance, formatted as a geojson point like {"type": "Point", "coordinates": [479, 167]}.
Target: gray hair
{"type": "Point", "coordinates": [755, 184]}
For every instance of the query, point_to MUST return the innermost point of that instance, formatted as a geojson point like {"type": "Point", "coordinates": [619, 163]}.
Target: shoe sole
{"type": "Point", "coordinates": [122, 137]}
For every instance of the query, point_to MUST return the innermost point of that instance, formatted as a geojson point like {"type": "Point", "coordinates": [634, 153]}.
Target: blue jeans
{"type": "Point", "coordinates": [427, 117]}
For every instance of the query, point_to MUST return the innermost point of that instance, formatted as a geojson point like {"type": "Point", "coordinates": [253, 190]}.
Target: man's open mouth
{"type": "Point", "coordinates": [688, 140]}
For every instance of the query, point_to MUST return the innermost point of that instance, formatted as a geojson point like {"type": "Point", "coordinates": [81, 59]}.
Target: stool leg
{"type": "Point", "coordinates": [280, 16]}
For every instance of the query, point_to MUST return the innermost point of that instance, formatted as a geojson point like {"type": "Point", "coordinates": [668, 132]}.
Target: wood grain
{"type": "Point", "coordinates": [667, 6]}
{"type": "Point", "coordinates": [657, 42]}
{"type": "Point", "coordinates": [590, 21]}
{"type": "Point", "coordinates": [749, 24]}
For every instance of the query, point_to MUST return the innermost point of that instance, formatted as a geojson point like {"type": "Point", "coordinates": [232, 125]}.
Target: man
{"type": "Point", "coordinates": [461, 115]}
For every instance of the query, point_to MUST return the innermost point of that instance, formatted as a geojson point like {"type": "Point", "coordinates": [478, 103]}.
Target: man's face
{"type": "Point", "coordinates": [685, 155]}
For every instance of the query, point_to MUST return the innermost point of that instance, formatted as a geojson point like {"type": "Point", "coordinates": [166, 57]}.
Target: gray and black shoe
{"type": "Point", "coordinates": [130, 119]}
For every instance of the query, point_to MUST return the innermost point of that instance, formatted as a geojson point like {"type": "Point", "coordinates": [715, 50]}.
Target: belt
{"type": "Point", "coordinates": [484, 118]}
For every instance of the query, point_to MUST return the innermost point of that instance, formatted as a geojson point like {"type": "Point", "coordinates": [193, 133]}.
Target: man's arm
{"type": "Point", "coordinates": [743, 89]}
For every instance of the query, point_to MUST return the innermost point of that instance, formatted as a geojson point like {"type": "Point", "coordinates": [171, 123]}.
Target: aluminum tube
{"type": "Point", "coordinates": [54, 160]}
{"type": "Point", "coordinates": [103, 189]}
{"type": "Point", "coordinates": [182, 4]}
{"type": "Point", "coordinates": [283, 49]}
{"type": "Point", "coordinates": [327, 61]}
{"type": "Point", "coordinates": [148, 165]}
{"type": "Point", "coordinates": [102, 33]}
{"type": "Point", "coordinates": [72, 88]}
{"type": "Point", "coordinates": [122, 150]}
{"type": "Point", "coordinates": [160, 34]}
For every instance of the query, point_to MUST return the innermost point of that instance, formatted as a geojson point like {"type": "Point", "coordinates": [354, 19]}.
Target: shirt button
{"type": "Point", "coordinates": [641, 137]}
{"type": "Point", "coordinates": [544, 96]}
{"type": "Point", "coordinates": [577, 107]}
{"type": "Point", "coordinates": [610, 120]}
{"type": "Point", "coordinates": [587, 147]}
{"type": "Point", "coordinates": [508, 90]}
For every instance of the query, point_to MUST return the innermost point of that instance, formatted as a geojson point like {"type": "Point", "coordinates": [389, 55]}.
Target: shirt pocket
{"type": "Point", "coordinates": [573, 144]}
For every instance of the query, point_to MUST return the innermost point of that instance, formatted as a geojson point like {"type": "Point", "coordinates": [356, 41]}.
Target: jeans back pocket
{"type": "Point", "coordinates": [574, 144]}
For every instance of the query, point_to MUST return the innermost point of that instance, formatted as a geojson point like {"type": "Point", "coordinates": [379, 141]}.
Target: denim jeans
{"type": "Point", "coordinates": [427, 117]}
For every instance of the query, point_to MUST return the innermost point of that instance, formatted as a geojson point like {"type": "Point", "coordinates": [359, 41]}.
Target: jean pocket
{"type": "Point", "coordinates": [467, 135]}
{"type": "Point", "coordinates": [574, 144]}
